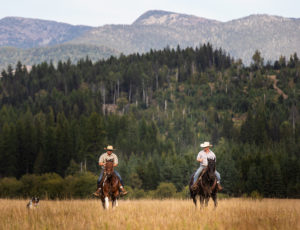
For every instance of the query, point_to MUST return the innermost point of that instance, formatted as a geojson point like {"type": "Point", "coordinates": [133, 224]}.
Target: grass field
{"type": "Point", "coordinates": [152, 214]}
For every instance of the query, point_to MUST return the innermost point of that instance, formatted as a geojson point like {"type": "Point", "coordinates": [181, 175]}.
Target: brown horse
{"type": "Point", "coordinates": [207, 185]}
{"type": "Point", "coordinates": [110, 185]}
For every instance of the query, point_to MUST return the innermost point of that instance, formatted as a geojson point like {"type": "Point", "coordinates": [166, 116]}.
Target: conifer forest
{"type": "Point", "coordinates": [155, 109]}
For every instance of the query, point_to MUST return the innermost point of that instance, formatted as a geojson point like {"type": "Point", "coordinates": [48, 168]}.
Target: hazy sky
{"type": "Point", "coordinates": [100, 12]}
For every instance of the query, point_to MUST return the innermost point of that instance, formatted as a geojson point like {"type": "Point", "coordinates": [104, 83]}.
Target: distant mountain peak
{"type": "Point", "coordinates": [28, 32]}
{"type": "Point", "coordinates": [167, 18]}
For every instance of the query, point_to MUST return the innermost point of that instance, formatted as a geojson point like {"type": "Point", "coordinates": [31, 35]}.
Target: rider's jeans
{"type": "Point", "coordinates": [101, 175]}
{"type": "Point", "coordinates": [199, 170]}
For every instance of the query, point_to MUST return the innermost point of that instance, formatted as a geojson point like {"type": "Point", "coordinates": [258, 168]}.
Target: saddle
{"type": "Point", "coordinates": [201, 175]}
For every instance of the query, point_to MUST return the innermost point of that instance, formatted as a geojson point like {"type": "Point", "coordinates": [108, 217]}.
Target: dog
{"type": "Point", "coordinates": [33, 203]}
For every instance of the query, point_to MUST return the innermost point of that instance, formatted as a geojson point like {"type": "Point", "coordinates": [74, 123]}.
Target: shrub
{"type": "Point", "coordinates": [10, 187]}
{"type": "Point", "coordinates": [81, 185]}
{"type": "Point", "coordinates": [138, 193]}
{"type": "Point", "coordinates": [52, 186]}
{"type": "Point", "coordinates": [223, 196]}
{"type": "Point", "coordinates": [184, 194]}
{"type": "Point", "coordinates": [165, 190]}
{"type": "Point", "coordinates": [256, 195]}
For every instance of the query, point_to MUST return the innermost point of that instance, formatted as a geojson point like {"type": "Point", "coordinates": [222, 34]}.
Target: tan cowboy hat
{"type": "Point", "coordinates": [109, 148]}
{"type": "Point", "coordinates": [205, 144]}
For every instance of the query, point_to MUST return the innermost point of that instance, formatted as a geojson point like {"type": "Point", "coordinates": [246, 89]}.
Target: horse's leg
{"type": "Point", "coordinates": [113, 202]}
{"type": "Point", "coordinates": [103, 202]}
{"type": "Point", "coordinates": [206, 201]}
{"type": "Point", "coordinates": [214, 197]}
{"type": "Point", "coordinates": [106, 202]}
{"type": "Point", "coordinates": [201, 201]}
{"type": "Point", "coordinates": [116, 195]}
{"type": "Point", "coordinates": [194, 199]}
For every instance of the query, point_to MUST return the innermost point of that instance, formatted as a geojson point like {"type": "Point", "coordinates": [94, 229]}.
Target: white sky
{"type": "Point", "coordinates": [100, 12]}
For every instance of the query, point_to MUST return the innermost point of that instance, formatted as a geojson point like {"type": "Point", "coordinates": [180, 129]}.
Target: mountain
{"type": "Point", "coordinates": [29, 33]}
{"type": "Point", "coordinates": [271, 35]}
{"type": "Point", "coordinates": [158, 17]}
{"type": "Point", "coordinates": [55, 53]}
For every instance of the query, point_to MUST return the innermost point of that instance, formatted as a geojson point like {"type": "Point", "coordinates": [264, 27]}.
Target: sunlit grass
{"type": "Point", "coordinates": [152, 214]}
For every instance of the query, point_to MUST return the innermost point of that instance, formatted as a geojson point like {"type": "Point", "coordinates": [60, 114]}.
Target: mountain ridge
{"type": "Point", "coordinates": [29, 33]}
{"type": "Point", "coordinates": [272, 35]}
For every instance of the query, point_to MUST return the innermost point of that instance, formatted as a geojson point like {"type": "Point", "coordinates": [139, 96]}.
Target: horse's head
{"type": "Point", "coordinates": [109, 167]}
{"type": "Point", "coordinates": [211, 168]}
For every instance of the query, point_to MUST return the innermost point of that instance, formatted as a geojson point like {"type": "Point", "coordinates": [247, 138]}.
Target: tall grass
{"type": "Point", "coordinates": [152, 214]}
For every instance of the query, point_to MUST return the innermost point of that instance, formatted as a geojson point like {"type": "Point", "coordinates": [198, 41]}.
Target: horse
{"type": "Point", "coordinates": [206, 185]}
{"type": "Point", "coordinates": [110, 185]}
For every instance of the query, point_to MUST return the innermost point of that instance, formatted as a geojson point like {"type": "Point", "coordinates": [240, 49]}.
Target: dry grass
{"type": "Point", "coordinates": [152, 214]}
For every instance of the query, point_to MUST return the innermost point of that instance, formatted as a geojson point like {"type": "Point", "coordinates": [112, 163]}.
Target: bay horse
{"type": "Point", "coordinates": [206, 185]}
{"type": "Point", "coordinates": [110, 185]}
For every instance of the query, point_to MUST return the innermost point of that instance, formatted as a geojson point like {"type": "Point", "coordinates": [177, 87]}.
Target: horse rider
{"type": "Point", "coordinates": [202, 157]}
{"type": "Point", "coordinates": [109, 155]}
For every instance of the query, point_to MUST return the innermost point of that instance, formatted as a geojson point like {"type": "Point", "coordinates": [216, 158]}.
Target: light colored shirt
{"type": "Point", "coordinates": [203, 155]}
{"type": "Point", "coordinates": [104, 157]}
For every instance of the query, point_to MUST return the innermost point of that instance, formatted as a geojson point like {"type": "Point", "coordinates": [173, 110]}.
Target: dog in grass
{"type": "Point", "coordinates": [33, 203]}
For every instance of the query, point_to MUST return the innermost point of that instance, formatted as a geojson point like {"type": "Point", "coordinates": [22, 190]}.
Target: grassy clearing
{"type": "Point", "coordinates": [152, 214]}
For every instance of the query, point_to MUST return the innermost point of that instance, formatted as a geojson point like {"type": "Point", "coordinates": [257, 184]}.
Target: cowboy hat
{"type": "Point", "coordinates": [109, 148]}
{"type": "Point", "coordinates": [205, 144]}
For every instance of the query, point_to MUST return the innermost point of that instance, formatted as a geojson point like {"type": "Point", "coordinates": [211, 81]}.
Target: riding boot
{"type": "Point", "coordinates": [123, 191]}
{"type": "Point", "coordinates": [220, 188]}
{"type": "Point", "coordinates": [195, 185]}
{"type": "Point", "coordinates": [97, 193]}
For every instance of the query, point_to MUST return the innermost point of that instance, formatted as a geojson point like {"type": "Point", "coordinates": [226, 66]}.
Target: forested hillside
{"type": "Point", "coordinates": [156, 108]}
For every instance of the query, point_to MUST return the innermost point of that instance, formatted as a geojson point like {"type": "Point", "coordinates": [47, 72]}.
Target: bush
{"type": "Point", "coordinates": [184, 194]}
{"type": "Point", "coordinates": [49, 185]}
{"type": "Point", "coordinates": [223, 196]}
{"type": "Point", "coordinates": [256, 195]}
{"type": "Point", "coordinates": [10, 187]}
{"type": "Point", "coordinates": [52, 186]}
{"type": "Point", "coordinates": [139, 193]}
{"type": "Point", "coordinates": [81, 185]}
{"type": "Point", "coordinates": [165, 190]}
{"type": "Point", "coordinates": [30, 185]}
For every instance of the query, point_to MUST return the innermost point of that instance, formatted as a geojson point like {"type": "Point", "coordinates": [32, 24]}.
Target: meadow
{"type": "Point", "coordinates": [152, 214]}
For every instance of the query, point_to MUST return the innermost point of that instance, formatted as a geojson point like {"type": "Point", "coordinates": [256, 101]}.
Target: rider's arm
{"type": "Point", "coordinates": [101, 164]}
{"type": "Point", "coordinates": [200, 159]}
{"type": "Point", "coordinates": [116, 162]}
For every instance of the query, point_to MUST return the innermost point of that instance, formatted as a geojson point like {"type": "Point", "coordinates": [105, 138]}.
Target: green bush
{"type": "Point", "coordinates": [81, 185]}
{"type": "Point", "coordinates": [138, 193]}
{"type": "Point", "coordinates": [30, 185]}
{"type": "Point", "coordinates": [52, 186]}
{"type": "Point", "coordinates": [223, 196]}
{"type": "Point", "coordinates": [184, 194]}
{"type": "Point", "coordinates": [165, 190]}
{"type": "Point", "coordinates": [49, 185]}
{"type": "Point", "coordinates": [10, 187]}
{"type": "Point", "coordinates": [255, 195]}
